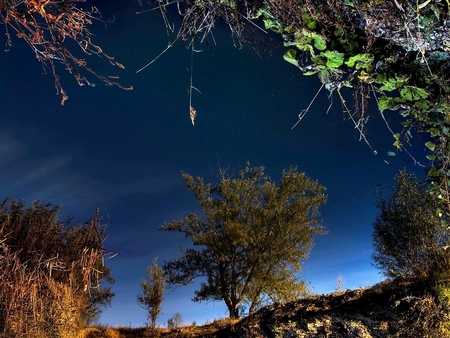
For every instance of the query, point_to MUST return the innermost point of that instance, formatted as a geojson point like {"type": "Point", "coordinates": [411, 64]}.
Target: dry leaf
{"type": "Point", "coordinates": [193, 114]}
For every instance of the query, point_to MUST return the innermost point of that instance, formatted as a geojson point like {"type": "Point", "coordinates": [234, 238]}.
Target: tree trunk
{"type": "Point", "coordinates": [234, 311]}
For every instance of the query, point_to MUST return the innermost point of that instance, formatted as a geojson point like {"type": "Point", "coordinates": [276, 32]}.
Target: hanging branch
{"type": "Point", "coordinates": [192, 112]}
{"type": "Point", "coordinates": [45, 25]}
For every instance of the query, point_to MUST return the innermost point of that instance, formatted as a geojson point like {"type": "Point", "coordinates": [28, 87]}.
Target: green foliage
{"type": "Point", "coordinates": [360, 61]}
{"type": "Point", "coordinates": [334, 58]}
{"type": "Point", "coordinates": [152, 297]}
{"type": "Point", "coordinates": [307, 40]}
{"type": "Point", "coordinates": [352, 55]}
{"type": "Point", "coordinates": [252, 235]}
{"type": "Point", "coordinates": [443, 296]}
{"type": "Point", "coordinates": [269, 20]}
{"type": "Point", "coordinates": [291, 57]}
{"type": "Point", "coordinates": [412, 93]}
{"type": "Point", "coordinates": [390, 83]}
{"type": "Point", "coordinates": [394, 52]}
{"type": "Point", "coordinates": [408, 238]}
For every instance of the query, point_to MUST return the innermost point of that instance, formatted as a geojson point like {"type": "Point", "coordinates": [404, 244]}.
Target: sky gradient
{"type": "Point", "coordinates": [124, 150]}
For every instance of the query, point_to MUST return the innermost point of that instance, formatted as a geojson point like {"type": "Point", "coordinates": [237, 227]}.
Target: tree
{"type": "Point", "coordinates": [45, 26]}
{"type": "Point", "coordinates": [408, 237]}
{"type": "Point", "coordinates": [175, 321]}
{"type": "Point", "coordinates": [50, 271]}
{"type": "Point", "coordinates": [253, 235]}
{"type": "Point", "coordinates": [153, 291]}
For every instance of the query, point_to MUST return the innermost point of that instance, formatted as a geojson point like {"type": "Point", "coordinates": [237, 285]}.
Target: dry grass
{"type": "Point", "coordinates": [99, 332]}
{"type": "Point", "coordinates": [389, 309]}
{"type": "Point", "coordinates": [47, 270]}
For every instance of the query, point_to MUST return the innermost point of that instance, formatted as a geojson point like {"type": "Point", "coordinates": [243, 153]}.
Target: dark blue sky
{"type": "Point", "coordinates": [125, 149]}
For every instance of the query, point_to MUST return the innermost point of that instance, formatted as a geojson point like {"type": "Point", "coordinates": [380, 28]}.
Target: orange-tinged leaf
{"type": "Point", "coordinates": [193, 114]}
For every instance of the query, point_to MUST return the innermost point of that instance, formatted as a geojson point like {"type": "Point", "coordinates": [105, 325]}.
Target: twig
{"type": "Point", "coordinates": [304, 111]}
{"type": "Point", "coordinates": [156, 58]}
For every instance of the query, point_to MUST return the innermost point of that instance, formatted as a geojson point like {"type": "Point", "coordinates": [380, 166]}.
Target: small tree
{"type": "Point", "coordinates": [408, 237]}
{"type": "Point", "coordinates": [340, 283]}
{"type": "Point", "coordinates": [175, 321]}
{"type": "Point", "coordinates": [153, 292]}
{"type": "Point", "coordinates": [253, 235]}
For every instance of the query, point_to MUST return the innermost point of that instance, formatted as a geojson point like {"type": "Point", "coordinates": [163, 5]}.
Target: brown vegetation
{"type": "Point", "coordinates": [400, 308]}
{"type": "Point", "coordinates": [52, 29]}
{"type": "Point", "coordinates": [48, 269]}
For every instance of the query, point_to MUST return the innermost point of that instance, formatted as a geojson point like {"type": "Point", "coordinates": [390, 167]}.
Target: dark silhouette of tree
{"type": "Point", "coordinates": [54, 29]}
{"type": "Point", "coordinates": [253, 235]}
{"type": "Point", "coordinates": [152, 297]}
{"type": "Point", "coordinates": [408, 237]}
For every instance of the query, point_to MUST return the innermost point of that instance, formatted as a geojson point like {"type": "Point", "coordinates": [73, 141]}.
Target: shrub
{"type": "Point", "coordinates": [48, 268]}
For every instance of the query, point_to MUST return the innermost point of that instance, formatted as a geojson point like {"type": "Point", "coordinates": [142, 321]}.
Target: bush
{"type": "Point", "coordinates": [175, 321]}
{"type": "Point", "coordinates": [408, 237]}
{"type": "Point", "coordinates": [48, 268]}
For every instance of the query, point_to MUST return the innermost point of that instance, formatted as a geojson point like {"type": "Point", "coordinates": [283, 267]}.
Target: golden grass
{"type": "Point", "coordinates": [99, 332]}
{"type": "Point", "coordinates": [185, 331]}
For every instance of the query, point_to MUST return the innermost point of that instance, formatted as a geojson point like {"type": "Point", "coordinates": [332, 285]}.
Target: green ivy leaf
{"type": "Point", "coordinates": [386, 103]}
{"type": "Point", "coordinates": [363, 60]}
{"type": "Point", "coordinates": [422, 105]}
{"type": "Point", "coordinates": [291, 57]}
{"type": "Point", "coordinates": [307, 40]}
{"type": "Point", "coordinates": [390, 84]}
{"type": "Point", "coordinates": [319, 42]}
{"type": "Point", "coordinates": [434, 132]}
{"type": "Point", "coordinates": [334, 58]}
{"type": "Point", "coordinates": [412, 93]}
{"type": "Point", "coordinates": [310, 72]}
{"type": "Point", "coordinates": [431, 157]}
{"type": "Point", "coordinates": [430, 145]}
{"type": "Point", "coordinates": [271, 23]}
{"type": "Point", "coordinates": [433, 172]}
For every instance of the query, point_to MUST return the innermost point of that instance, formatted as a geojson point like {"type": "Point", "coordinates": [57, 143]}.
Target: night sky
{"type": "Point", "coordinates": [124, 150]}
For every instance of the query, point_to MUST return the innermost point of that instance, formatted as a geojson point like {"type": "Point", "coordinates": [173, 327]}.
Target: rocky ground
{"type": "Point", "coordinates": [389, 309]}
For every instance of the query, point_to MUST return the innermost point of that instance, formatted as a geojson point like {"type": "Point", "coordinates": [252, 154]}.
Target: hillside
{"type": "Point", "coordinates": [389, 309]}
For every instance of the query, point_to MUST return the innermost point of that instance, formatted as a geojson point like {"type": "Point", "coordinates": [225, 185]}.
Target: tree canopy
{"type": "Point", "coordinates": [250, 238]}
{"type": "Point", "coordinates": [408, 237]}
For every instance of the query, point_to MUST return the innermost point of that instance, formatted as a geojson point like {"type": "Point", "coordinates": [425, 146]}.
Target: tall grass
{"type": "Point", "coordinates": [47, 268]}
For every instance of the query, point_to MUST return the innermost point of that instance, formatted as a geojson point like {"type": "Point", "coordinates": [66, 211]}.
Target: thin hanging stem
{"type": "Point", "coordinates": [192, 69]}
{"type": "Point", "coordinates": [160, 54]}
{"type": "Point", "coordinates": [358, 126]}
{"type": "Point", "coordinates": [304, 111]}
{"type": "Point", "coordinates": [192, 112]}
